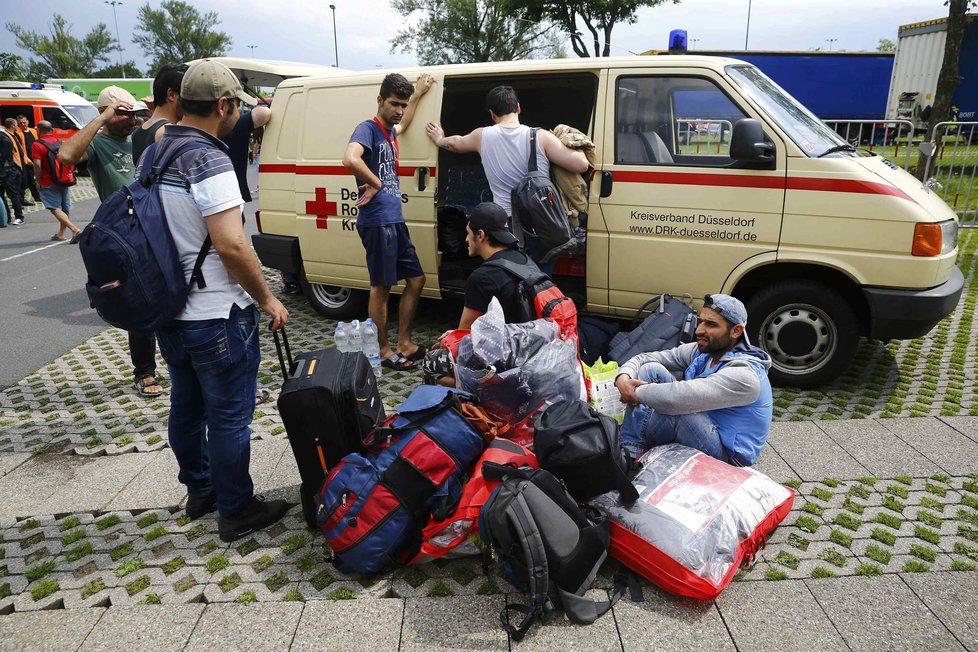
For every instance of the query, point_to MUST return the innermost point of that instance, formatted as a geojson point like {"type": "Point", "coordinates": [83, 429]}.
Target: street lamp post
{"type": "Point", "coordinates": [252, 48]}
{"type": "Point", "coordinates": [693, 41]}
{"type": "Point", "coordinates": [336, 52]}
{"type": "Point", "coordinates": [830, 42]}
{"type": "Point", "coordinates": [118, 40]}
{"type": "Point", "coordinates": [747, 33]}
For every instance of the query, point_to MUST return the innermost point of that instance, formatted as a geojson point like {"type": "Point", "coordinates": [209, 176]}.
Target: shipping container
{"type": "Point", "coordinates": [919, 56]}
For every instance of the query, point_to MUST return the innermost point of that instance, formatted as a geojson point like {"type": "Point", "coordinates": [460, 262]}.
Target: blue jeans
{"type": "Point", "coordinates": [213, 368]}
{"type": "Point", "coordinates": [644, 428]}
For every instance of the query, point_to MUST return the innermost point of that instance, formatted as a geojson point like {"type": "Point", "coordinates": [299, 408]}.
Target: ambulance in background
{"type": "Point", "coordinates": [67, 112]}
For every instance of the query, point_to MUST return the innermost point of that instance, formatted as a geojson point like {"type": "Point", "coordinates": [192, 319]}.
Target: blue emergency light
{"type": "Point", "coordinates": [677, 41]}
{"type": "Point", "coordinates": [37, 86]}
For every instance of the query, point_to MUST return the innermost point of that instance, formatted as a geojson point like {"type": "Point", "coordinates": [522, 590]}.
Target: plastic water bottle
{"type": "Point", "coordinates": [356, 336]}
{"type": "Point", "coordinates": [371, 346]}
{"type": "Point", "coordinates": [342, 337]}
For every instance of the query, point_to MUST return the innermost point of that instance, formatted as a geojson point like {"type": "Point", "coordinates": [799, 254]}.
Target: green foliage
{"type": "Point", "coordinates": [775, 574]}
{"type": "Point", "coordinates": [481, 30]}
{"type": "Point", "coordinates": [217, 563]}
{"type": "Point", "coordinates": [928, 535]}
{"type": "Point", "coordinates": [885, 45]}
{"type": "Point", "coordinates": [877, 553]}
{"type": "Point", "coordinates": [62, 54]}
{"type": "Point", "coordinates": [293, 595]}
{"type": "Point", "coordinates": [923, 552]}
{"type": "Point", "coordinates": [807, 523]}
{"type": "Point", "coordinates": [129, 566]}
{"type": "Point", "coordinates": [39, 571]}
{"type": "Point", "coordinates": [787, 559]}
{"type": "Point", "coordinates": [177, 32]}
{"type": "Point", "coordinates": [247, 597]}
{"type": "Point", "coordinates": [342, 594]}
{"type": "Point", "coordinates": [821, 572]}
{"type": "Point", "coordinates": [841, 538]}
{"type": "Point", "coordinates": [44, 589]}
{"type": "Point", "coordinates": [869, 570]}
{"type": "Point", "coordinates": [93, 587]}
{"type": "Point", "coordinates": [11, 66]}
{"type": "Point", "coordinates": [599, 17]}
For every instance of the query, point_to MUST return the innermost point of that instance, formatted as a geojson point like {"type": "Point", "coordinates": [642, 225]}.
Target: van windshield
{"type": "Point", "coordinates": [82, 113]}
{"type": "Point", "coordinates": [801, 125]}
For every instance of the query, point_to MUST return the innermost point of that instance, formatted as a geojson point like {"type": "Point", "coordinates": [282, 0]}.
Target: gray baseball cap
{"type": "Point", "coordinates": [730, 308]}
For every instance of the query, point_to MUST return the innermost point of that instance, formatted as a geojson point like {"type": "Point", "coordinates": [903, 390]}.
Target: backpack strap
{"type": "Point", "coordinates": [525, 273]}
{"type": "Point", "coordinates": [538, 573]}
{"type": "Point", "coordinates": [626, 490]}
{"type": "Point", "coordinates": [531, 165]}
{"type": "Point", "coordinates": [150, 173]}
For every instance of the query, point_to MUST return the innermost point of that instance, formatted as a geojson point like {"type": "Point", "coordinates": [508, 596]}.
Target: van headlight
{"type": "Point", "coordinates": [935, 238]}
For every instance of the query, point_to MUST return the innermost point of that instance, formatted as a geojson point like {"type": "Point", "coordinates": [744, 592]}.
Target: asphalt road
{"type": "Point", "coordinates": [44, 311]}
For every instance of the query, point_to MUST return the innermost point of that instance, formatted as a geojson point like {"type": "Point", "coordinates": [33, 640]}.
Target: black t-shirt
{"type": "Point", "coordinates": [488, 281]}
{"type": "Point", "coordinates": [143, 138]}
{"type": "Point", "coordinates": [237, 142]}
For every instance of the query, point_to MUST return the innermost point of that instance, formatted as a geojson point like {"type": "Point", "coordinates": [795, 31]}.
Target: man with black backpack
{"type": "Point", "coordinates": [505, 149]}
{"type": "Point", "coordinates": [55, 188]}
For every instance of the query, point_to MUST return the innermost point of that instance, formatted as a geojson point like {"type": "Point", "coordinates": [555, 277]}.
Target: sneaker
{"type": "Point", "coordinates": [17, 220]}
{"type": "Point", "coordinates": [257, 515]}
{"type": "Point", "coordinates": [27, 202]}
{"type": "Point", "coordinates": [198, 506]}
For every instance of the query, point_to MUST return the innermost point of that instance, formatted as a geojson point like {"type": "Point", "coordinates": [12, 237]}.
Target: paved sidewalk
{"type": "Point", "coordinates": [879, 552]}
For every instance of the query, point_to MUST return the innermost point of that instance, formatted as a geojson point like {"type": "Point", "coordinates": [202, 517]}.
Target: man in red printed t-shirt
{"type": "Point", "coordinates": [56, 197]}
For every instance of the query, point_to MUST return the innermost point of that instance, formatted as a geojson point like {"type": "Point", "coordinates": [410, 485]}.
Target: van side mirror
{"type": "Point", "coordinates": [749, 144]}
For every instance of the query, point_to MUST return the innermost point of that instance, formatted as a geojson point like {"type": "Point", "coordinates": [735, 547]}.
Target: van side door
{"type": "Point", "coordinates": [681, 213]}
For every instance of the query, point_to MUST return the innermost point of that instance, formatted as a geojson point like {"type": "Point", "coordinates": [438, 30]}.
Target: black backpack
{"type": "Point", "coordinates": [580, 446]}
{"type": "Point", "coordinates": [671, 323]}
{"type": "Point", "coordinates": [545, 544]}
{"type": "Point", "coordinates": [538, 211]}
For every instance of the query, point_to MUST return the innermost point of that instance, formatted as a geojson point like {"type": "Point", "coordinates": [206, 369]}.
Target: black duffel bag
{"type": "Point", "coordinates": [579, 445]}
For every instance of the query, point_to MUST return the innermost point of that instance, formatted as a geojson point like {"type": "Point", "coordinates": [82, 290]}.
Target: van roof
{"type": "Point", "coordinates": [538, 65]}
{"type": "Point", "coordinates": [51, 92]}
{"type": "Point", "coordinates": [269, 72]}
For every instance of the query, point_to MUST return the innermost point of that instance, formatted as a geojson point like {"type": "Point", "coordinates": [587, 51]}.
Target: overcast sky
{"type": "Point", "coordinates": [302, 30]}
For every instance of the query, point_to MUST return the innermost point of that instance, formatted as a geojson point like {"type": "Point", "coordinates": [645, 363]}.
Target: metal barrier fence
{"type": "Point", "coordinates": [950, 170]}
{"type": "Point", "coordinates": [879, 134]}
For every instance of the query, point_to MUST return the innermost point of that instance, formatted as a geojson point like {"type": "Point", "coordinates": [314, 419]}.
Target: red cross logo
{"type": "Point", "coordinates": [321, 208]}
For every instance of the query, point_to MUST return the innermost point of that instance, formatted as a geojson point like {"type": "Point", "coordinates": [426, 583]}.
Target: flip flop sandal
{"type": "Point", "coordinates": [55, 238]}
{"type": "Point", "coordinates": [418, 354]}
{"type": "Point", "coordinates": [262, 397]}
{"type": "Point", "coordinates": [397, 362]}
{"type": "Point", "coordinates": [143, 384]}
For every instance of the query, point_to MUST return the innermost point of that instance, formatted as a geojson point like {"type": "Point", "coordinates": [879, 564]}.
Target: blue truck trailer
{"type": "Point", "coordinates": [833, 85]}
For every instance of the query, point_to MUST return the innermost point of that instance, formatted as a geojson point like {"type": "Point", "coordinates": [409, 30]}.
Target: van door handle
{"type": "Point", "coordinates": [422, 176]}
{"type": "Point", "coordinates": [607, 180]}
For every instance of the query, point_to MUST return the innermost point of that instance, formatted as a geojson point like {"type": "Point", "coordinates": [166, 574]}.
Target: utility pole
{"type": "Point", "coordinates": [830, 42]}
{"type": "Point", "coordinates": [747, 34]}
{"type": "Point", "coordinates": [118, 40]}
{"type": "Point", "coordinates": [336, 52]}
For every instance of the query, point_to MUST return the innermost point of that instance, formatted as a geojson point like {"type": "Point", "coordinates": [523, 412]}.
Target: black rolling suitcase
{"type": "Point", "coordinates": [329, 402]}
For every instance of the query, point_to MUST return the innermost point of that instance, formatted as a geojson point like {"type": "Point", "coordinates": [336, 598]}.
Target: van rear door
{"type": "Point", "coordinates": [681, 214]}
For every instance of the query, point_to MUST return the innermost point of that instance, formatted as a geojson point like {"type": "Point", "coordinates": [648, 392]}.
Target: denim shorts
{"type": "Point", "coordinates": [55, 197]}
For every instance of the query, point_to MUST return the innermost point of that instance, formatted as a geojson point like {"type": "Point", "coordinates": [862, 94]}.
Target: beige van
{"type": "Point", "coordinates": [709, 178]}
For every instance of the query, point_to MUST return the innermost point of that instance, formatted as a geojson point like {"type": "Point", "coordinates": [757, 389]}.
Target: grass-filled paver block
{"type": "Point", "coordinates": [72, 537]}
{"type": "Point", "coordinates": [93, 587]}
{"type": "Point", "coordinates": [146, 520]}
{"type": "Point", "coordinates": [847, 521]}
{"type": "Point", "coordinates": [923, 552]}
{"type": "Point", "coordinates": [799, 542]}
{"type": "Point", "coordinates": [893, 504]}
{"type": "Point", "coordinates": [31, 541]}
{"type": "Point", "coordinates": [69, 523]}
{"type": "Point", "coordinates": [35, 573]}
{"type": "Point", "coordinates": [45, 588]}
{"type": "Point", "coordinates": [293, 544]}
{"type": "Point", "coordinates": [889, 520]}
{"type": "Point", "coordinates": [184, 583]}
{"type": "Point", "coordinates": [155, 533]}
{"type": "Point", "coordinates": [106, 522]}
{"type": "Point", "coordinates": [129, 566]}
{"type": "Point", "coordinates": [822, 494]}
{"type": "Point", "coordinates": [229, 582]}
{"type": "Point", "coordinates": [248, 547]}
{"type": "Point", "coordinates": [813, 508]}
{"type": "Point", "coordinates": [869, 570]}
{"type": "Point", "coordinates": [821, 572]}
{"type": "Point", "coordinates": [78, 552]}
{"type": "Point", "coordinates": [342, 594]}
{"type": "Point", "coordinates": [807, 523]}
{"type": "Point", "coordinates": [246, 597]}
{"type": "Point", "coordinates": [840, 538]}
{"type": "Point", "coordinates": [968, 533]}
{"type": "Point", "coordinates": [834, 557]}
{"type": "Point", "coordinates": [293, 595]}
{"type": "Point", "coordinates": [930, 518]}
{"type": "Point", "coordinates": [787, 559]}
{"type": "Point", "coordinates": [932, 504]}
{"type": "Point", "coordinates": [172, 566]}
{"type": "Point", "coordinates": [262, 563]}
{"type": "Point", "coordinates": [878, 554]}
{"type": "Point", "coordinates": [120, 551]}
{"type": "Point", "coordinates": [914, 566]}
{"type": "Point", "coordinates": [928, 535]}
{"type": "Point", "coordinates": [852, 506]}
{"type": "Point", "coordinates": [308, 562]}
{"type": "Point", "coordinates": [321, 580]}
{"type": "Point", "coordinates": [277, 581]}
{"type": "Point", "coordinates": [217, 563]}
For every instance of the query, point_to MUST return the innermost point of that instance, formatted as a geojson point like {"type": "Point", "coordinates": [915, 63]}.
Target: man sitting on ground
{"type": "Point", "coordinates": [722, 406]}
{"type": "Point", "coordinates": [488, 237]}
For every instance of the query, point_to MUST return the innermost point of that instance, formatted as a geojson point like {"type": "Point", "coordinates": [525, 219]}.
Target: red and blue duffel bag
{"type": "Point", "coordinates": [372, 506]}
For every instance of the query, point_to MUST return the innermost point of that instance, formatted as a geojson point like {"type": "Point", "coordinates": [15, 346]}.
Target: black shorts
{"type": "Point", "coordinates": [390, 253]}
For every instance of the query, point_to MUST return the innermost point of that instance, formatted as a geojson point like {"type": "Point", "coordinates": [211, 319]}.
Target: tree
{"type": "Point", "coordinates": [948, 79]}
{"type": "Point", "coordinates": [11, 66]}
{"type": "Point", "coordinates": [886, 45]}
{"type": "Point", "coordinates": [598, 16]}
{"type": "Point", "coordinates": [469, 31]}
{"type": "Point", "coordinates": [115, 71]}
{"type": "Point", "coordinates": [177, 32]}
{"type": "Point", "coordinates": [61, 54]}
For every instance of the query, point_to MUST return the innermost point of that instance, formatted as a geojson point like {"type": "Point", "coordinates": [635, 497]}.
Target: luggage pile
{"type": "Point", "coordinates": [536, 481]}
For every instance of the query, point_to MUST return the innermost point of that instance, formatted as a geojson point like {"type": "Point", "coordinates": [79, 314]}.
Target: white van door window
{"type": "Point", "coordinates": [58, 118]}
{"type": "Point", "coordinates": [673, 121]}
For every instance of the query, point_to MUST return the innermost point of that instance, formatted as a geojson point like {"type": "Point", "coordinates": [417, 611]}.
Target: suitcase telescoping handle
{"type": "Point", "coordinates": [286, 370]}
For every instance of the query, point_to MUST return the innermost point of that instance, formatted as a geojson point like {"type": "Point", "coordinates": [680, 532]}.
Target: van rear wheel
{"type": "Point", "coordinates": [333, 301]}
{"type": "Point", "coordinates": [809, 330]}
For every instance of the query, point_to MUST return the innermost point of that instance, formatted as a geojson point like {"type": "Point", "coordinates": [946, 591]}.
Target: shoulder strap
{"type": "Point", "coordinates": [150, 173]}
{"type": "Point", "coordinates": [524, 273]}
{"type": "Point", "coordinates": [538, 572]}
{"type": "Point", "coordinates": [531, 165]}
{"type": "Point", "coordinates": [626, 490]}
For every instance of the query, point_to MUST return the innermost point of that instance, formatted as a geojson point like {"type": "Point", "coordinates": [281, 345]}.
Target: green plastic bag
{"type": "Point", "coordinates": [604, 395]}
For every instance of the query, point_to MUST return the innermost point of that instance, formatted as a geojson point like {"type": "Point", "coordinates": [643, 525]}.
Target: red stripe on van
{"type": "Point", "coordinates": [752, 181]}
{"type": "Point", "coordinates": [701, 179]}
{"type": "Point", "coordinates": [846, 185]}
{"type": "Point", "coordinates": [325, 170]}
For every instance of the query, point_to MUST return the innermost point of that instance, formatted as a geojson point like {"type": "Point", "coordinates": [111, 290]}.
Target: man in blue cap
{"type": "Point", "coordinates": [722, 402]}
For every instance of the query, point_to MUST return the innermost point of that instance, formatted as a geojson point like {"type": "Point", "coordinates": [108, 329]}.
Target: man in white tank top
{"type": "Point", "coordinates": [505, 146]}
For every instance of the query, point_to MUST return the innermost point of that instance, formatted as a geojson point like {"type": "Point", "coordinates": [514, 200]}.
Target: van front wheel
{"type": "Point", "coordinates": [333, 301]}
{"type": "Point", "coordinates": [809, 330]}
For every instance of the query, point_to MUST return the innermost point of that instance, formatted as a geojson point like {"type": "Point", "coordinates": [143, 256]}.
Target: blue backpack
{"type": "Point", "coordinates": [135, 278]}
{"type": "Point", "coordinates": [372, 506]}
